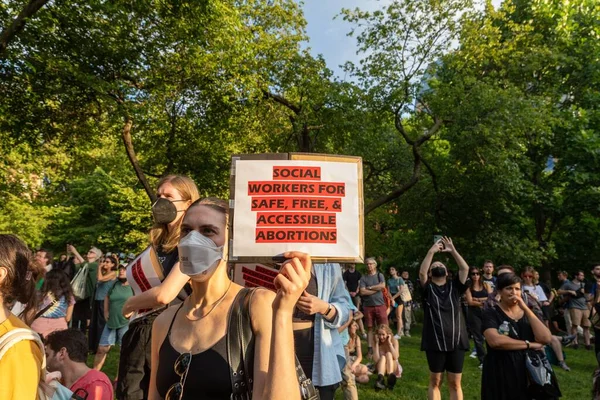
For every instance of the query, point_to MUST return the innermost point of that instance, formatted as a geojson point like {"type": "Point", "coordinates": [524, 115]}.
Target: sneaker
{"type": "Point", "coordinates": [396, 336]}
{"type": "Point", "coordinates": [391, 381]}
{"type": "Point", "coordinates": [565, 340]}
{"type": "Point", "coordinates": [564, 366]}
{"type": "Point", "coordinates": [480, 366]}
{"type": "Point", "coordinates": [407, 334]}
{"type": "Point", "coordinates": [473, 354]}
{"type": "Point", "coordinates": [364, 335]}
{"type": "Point", "coordinates": [588, 346]}
{"type": "Point", "coordinates": [379, 383]}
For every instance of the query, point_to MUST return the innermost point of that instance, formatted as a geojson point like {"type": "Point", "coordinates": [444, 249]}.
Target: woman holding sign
{"type": "Point", "coordinates": [174, 195]}
{"type": "Point", "coordinates": [191, 343]}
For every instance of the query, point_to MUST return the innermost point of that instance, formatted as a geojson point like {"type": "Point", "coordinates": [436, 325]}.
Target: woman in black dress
{"type": "Point", "coordinates": [510, 329]}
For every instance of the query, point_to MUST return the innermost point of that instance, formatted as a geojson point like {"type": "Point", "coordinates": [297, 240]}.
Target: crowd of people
{"type": "Point", "coordinates": [303, 340]}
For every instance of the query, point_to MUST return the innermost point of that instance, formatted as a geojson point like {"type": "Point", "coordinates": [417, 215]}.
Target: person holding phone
{"type": "Point", "coordinates": [445, 337]}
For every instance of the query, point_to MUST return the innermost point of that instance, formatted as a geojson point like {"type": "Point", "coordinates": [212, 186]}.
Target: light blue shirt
{"type": "Point", "coordinates": [329, 358]}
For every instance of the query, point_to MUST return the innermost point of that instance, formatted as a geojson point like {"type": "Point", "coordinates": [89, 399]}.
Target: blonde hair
{"type": "Point", "coordinates": [386, 328]}
{"type": "Point", "coordinates": [160, 236]}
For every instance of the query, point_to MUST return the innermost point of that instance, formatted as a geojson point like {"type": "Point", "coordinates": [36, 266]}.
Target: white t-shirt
{"type": "Point", "coordinates": [537, 290]}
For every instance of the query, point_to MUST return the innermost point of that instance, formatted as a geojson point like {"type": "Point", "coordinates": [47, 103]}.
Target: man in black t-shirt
{"type": "Point", "coordinates": [445, 337]}
{"type": "Point", "coordinates": [351, 278]}
{"type": "Point", "coordinates": [488, 274]}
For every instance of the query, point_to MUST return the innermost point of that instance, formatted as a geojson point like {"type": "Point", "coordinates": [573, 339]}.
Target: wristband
{"type": "Point", "coordinates": [328, 310]}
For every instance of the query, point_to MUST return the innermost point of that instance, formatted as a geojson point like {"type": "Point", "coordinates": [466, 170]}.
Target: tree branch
{"type": "Point", "coordinates": [17, 25]}
{"type": "Point", "coordinates": [282, 100]}
{"type": "Point", "coordinates": [126, 135]}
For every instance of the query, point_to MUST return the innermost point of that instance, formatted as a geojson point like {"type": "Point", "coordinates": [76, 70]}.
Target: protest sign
{"type": "Point", "coordinates": [304, 202]}
{"type": "Point", "coordinates": [255, 275]}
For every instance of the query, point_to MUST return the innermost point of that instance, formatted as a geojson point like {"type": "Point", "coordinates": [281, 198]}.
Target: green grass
{"type": "Point", "coordinates": [575, 384]}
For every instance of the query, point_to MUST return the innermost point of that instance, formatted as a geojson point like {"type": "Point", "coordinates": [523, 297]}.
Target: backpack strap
{"type": "Point", "coordinates": [240, 346]}
{"type": "Point", "coordinates": [15, 336]}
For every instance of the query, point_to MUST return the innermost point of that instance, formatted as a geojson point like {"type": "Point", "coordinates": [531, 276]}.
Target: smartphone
{"type": "Point", "coordinates": [437, 238]}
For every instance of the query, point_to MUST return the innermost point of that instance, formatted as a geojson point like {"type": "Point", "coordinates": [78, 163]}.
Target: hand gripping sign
{"type": "Point", "coordinates": [305, 202]}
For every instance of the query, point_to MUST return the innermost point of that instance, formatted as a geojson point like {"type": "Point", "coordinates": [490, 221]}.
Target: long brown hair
{"type": "Point", "coordinates": [22, 275]}
{"type": "Point", "coordinates": [160, 236]}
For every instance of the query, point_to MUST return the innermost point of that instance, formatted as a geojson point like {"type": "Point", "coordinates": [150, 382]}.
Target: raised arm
{"type": "Point", "coordinates": [437, 246]}
{"type": "Point", "coordinates": [463, 267]}
{"type": "Point", "coordinates": [78, 259]}
{"type": "Point", "coordinates": [274, 365]}
{"type": "Point", "coordinates": [107, 277]}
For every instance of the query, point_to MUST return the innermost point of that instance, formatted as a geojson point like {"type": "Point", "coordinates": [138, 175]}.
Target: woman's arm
{"type": "Point", "coordinates": [106, 307]}
{"type": "Point", "coordinates": [274, 365]}
{"type": "Point", "coordinates": [111, 275]}
{"type": "Point", "coordinates": [502, 342]}
{"type": "Point", "coordinates": [160, 295]}
{"type": "Point", "coordinates": [376, 354]}
{"type": "Point", "coordinates": [394, 347]}
{"type": "Point", "coordinates": [540, 331]}
{"type": "Point", "coordinates": [358, 352]}
{"type": "Point", "coordinates": [69, 313]}
{"type": "Point", "coordinates": [470, 301]}
{"type": "Point", "coordinates": [463, 267]}
{"type": "Point", "coordinates": [73, 250]}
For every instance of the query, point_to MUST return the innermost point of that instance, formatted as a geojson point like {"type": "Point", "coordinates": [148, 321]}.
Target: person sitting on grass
{"type": "Point", "coordinates": [385, 356]}
{"type": "Point", "coordinates": [354, 352]}
{"type": "Point", "coordinates": [66, 352]}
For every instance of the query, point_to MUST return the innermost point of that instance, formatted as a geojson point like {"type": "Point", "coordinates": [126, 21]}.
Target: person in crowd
{"type": "Point", "coordinates": [476, 295]}
{"type": "Point", "coordinates": [320, 311]}
{"type": "Point", "coordinates": [488, 274]}
{"type": "Point", "coordinates": [66, 352]}
{"type": "Point", "coordinates": [56, 306]}
{"type": "Point", "coordinates": [548, 310]}
{"type": "Point", "coordinates": [529, 288]}
{"type": "Point", "coordinates": [65, 264]}
{"type": "Point", "coordinates": [105, 280]}
{"type": "Point", "coordinates": [445, 338]}
{"type": "Point", "coordinates": [578, 308]}
{"type": "Point", "coordinates": [354, 354]}
{"type": "Point", "coordinates": [595, 305]}
{"type": "Point", "coordinates": [385, 356]}
{"type": "Point", "coordinates": [563, 299]}
{"type": "Point", "coordinates": [174, 195]}
{"type": "Point", "coordinates": [191, 339]}
{"type": "Point", "coordinates": [371, 286]}
{"type": "Point", "coordinates": [407, 311]}
{"type": "Point", "coordinates": [116, 324]}
{"type": "Point", "coordinates": [510, 329]}
{"type": "Point", "coordinates": [45, 258]}
{"type": "Point", "coordinates": [351, 279]}
{"type": "Point", "coordinates": [21, 365]}
{"type": "Point", "coordinates": [82, 311]}
{"type": "Point", "coordinates": [395, 283]}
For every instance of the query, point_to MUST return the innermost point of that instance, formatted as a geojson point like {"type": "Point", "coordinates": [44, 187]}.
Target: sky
{"type": "Point", "coordinates": [328, 36]}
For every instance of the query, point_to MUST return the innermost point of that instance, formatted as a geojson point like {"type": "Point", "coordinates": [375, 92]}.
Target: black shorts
{"type": "Point", "coordinates": [440, 361]}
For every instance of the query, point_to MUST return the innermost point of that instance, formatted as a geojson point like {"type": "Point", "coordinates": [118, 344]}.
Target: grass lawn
{"type": "Point", "coordinates": [575, 384]}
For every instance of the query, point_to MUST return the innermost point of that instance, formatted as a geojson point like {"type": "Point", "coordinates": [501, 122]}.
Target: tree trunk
{"type": "Point", "coordinates": [9, 32]}
{"type": "Point", "coordinates": [133, 159]}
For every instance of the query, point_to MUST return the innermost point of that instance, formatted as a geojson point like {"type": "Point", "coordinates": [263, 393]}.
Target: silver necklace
{"type": "Point", "coordinates": [215, 304]}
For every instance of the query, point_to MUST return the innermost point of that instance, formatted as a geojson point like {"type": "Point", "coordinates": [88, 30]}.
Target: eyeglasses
{"type": "Point", "coordinates": [181, 367]}
{"type": "Point", "coordinates": [474, 273]}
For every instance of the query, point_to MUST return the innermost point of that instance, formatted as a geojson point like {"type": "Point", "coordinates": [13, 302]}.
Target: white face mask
{"type": "Point", "coordinates": [197, 253]}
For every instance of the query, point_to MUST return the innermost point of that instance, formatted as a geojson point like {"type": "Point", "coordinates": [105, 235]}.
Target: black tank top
{"type": "Point", "coordinates": [479, 294]}
{"type": "Point", "coordinates": [208, 374]}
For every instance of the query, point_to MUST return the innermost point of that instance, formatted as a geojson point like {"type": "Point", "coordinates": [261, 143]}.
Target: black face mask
{"type": "Point", "coordinates": [164, 211]}
{"type": "Point", "coordinates": [122, 280]}
{"type": "Point", "coordinates": [438, 272]}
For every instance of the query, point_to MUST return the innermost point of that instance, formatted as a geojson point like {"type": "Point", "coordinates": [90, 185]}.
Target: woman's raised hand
{"type": "Point", "coordinates": [292, 280]}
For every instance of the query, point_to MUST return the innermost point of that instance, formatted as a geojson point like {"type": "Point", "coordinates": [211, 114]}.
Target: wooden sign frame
{"type": "Point", "coordinates": [307, 157]}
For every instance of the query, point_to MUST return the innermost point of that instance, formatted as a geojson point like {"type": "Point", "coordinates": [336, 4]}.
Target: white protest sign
{"type": "Point", "coordinates": [303, 205]}
{"type": "Point", "coordinates": [144, 273]}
